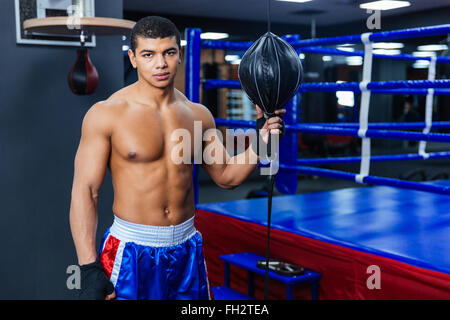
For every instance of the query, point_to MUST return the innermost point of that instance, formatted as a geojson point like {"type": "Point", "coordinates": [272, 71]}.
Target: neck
{"type": "Point", "coordinates": [158, 97]}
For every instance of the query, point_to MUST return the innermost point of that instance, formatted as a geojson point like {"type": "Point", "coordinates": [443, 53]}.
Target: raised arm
{"type": "Point", "coordinates": [90, 166]}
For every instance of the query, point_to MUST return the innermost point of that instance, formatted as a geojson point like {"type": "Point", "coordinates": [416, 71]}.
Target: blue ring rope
{"type": "Point", "coordinates": [395, 157]}
{"type": "Point", "coordinates": [368, 179]}
{"type": "Point", "coordinates": [340, 131]}
{"type": "Point", "coordinates": [344, 86]}
{"type": "Point", "coordinates": [332, 51]}
{"type": "Point", "coordinates": [354, 39]}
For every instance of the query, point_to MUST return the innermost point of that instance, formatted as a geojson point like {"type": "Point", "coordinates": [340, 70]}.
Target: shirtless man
{"type": "Point", "coordinates": [152, 250]}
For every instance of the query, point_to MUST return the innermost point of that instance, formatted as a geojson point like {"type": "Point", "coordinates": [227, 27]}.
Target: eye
{"type": "Point", "coordinates": [148, 55]}
{"type": "Point", "coordinates": [171, 53]}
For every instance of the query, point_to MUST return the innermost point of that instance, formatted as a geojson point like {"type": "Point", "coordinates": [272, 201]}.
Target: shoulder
{"type": "Point", "coordinates": [101, 116]}
{"type": "Point", "coordinates": [201, 112]}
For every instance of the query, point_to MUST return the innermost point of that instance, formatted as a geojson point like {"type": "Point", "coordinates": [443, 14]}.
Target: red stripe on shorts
{"type": "Point", "coordinates": [109, 255]}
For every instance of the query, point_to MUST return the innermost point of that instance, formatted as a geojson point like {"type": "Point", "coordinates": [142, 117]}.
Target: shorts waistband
{"type": "Point", "coordinates": [154, 236]}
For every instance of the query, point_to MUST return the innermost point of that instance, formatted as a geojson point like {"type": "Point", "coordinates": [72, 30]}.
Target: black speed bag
{"type": "Point", "coordinates": [270, 73]}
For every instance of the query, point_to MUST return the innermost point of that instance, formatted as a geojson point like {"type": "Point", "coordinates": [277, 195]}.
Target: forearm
{"type": "Point", "coordinates": [240, 167]}
{"type": "Point", "coordinates": [83, 223]}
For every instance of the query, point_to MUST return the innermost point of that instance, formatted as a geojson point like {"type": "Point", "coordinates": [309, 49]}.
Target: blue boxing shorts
{"type": "Point", "coordinates": [155, 263]}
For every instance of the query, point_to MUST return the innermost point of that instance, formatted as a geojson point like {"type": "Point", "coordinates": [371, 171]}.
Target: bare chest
{"type": "Point", "coordinates": [150, 136]}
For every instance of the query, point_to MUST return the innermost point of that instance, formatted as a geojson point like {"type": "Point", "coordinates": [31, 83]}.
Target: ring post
{"type": "Point", "coordinates": [286, 182]}
{"type": "Point", "coordinates": [192, 80]}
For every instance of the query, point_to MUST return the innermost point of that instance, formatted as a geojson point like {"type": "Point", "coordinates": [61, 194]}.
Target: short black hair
{"type": "Point", "coordinates": [154, 27]}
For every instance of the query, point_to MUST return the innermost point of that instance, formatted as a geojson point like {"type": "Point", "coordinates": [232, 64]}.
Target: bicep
{"type": "Point", "coordinates": [215, 156]}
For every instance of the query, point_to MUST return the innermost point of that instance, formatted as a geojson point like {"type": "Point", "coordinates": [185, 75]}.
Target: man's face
{"type": "Point", "coordinates": [156, 60]}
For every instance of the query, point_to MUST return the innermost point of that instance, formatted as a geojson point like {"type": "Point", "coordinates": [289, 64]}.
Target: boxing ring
{"type": "Point", "coordinates": [401, 227]}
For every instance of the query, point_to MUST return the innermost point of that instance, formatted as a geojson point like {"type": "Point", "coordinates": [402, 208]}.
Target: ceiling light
{"type": "Point", "coordinates": [298, 1]}
{"type": "Point", "coordinates": [384, 5]}
{"type": "Point", "coordinates": [231, 57]}
{"type": "Point", "coordinates": [346, 49]}
{"type": "Point", "coordinates": [183, 43]}
{"type": "Point", "coordinates": [327, 58]}
{"type": "Point", "coordinates": [354, 61]}
{"type": "Point", "coordinates": [214, 35]}
{"type": "Point", "coordinates": [421, 64]}
{"type": "Point", "coordinates": [433, 47]}
{"type": "Point", "coordinates": [424, 54]}
{"type": "Point", "coordinates": [237, 61]}
{"type": "Point", "coordinates": [125, 48]}
{"type": "Point", "coordinates": [302, 56]}
{"type": "Point", "coordinates": [387, 45]}
{"type": "Point", "coordinates": [386, 51]}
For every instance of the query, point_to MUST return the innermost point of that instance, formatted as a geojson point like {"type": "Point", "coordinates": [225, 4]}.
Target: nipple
{"type": "Point", "coordinates": [132, 154]}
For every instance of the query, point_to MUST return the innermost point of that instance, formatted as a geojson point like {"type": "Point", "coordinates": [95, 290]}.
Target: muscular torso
{"type": "Point", "coordinates": [149, 188]}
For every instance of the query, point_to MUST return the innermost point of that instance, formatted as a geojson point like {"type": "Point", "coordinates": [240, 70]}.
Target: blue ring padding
{"type": "Point", "coordinates": [396, 157]}
{"type": "Point", "coordinates": [374, 37]}
{"type": "Point", "coordinates": [346, 86]}
{"type": "Point", "coordinates": [339, 131]}
{"type": "Point", "coordinates": [332, 51]}
{"type": "Point", "coordinates": [321, 237]}
{"type": "Point", "coordinates": [396, 183]}
{"type": "Point", "coordinates": [386, 125]}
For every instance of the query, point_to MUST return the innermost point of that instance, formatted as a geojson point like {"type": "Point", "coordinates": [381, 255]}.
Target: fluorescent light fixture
{"type": "Point", "coordinates": [231, 57]}
{"type": "Point", "coordinates": [387, 45]}
{"type": "Point", "coordinates": [424, 54]}
{"type": "Point", "coordinates": [327, 58]}
{"type": "Point", "coordinates": [387, 52]}
{"type": "Point", "coordinates": [236, 61]}
{"type": "Point", "coordinates": [384, 5]}
{"type": "Point", "coordinates": [354, 61]}
{"type": "Point", "coordinates": [421, 64]}
{"type": "Point", "coordinates": [302, 56]}
{"type": "Point", "coordinates": [214, 35]}
{"type": "Point", "coordinates": [433, 47]}
{"type": "Point", "coordinates": [298, 1]}
{"type": "Point", "coordinates": [183, 43]}
{"type": "Point", "coordinates": [125, 48]}
{"type": "Point", "coordinates": [346, 49]}
{"type": "Point", "coordinates": [346, 98]}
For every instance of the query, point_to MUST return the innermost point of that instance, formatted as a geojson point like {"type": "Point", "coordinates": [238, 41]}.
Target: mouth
{"type": "Point", "coordinates": [162, 76]}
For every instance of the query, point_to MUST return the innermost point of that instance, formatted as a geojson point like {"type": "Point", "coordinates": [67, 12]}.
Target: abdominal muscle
{"type": "Point", "coordinates": [158, 193]}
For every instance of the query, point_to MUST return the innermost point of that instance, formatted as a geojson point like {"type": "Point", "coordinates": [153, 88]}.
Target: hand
{"type": "Point", "coordinates": [274, 124]}
{"type": "Point", "coordinates": [95, 285]}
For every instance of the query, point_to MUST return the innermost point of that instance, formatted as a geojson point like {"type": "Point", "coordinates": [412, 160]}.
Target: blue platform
{"type": "Point", "coordinates": [409, 226]}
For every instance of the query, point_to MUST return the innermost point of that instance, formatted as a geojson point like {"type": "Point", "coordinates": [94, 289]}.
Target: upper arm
{"type": "Point", "coordinates": [92, 156]}
{"type": "Point", "coordinates": [214, 153]}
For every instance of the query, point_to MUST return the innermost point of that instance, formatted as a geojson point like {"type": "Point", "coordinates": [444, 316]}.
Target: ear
{"type": "Point", "coordinates": [132, 58]}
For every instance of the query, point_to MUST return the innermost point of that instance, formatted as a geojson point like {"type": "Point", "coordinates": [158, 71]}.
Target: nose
{"type": "Point", "coordinates": [161, 61]}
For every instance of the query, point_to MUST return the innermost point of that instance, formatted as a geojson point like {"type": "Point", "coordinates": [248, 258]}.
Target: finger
{"type": "Point", "coordinates": [259, 111]}
{"type": "Point", "coordinates": [275, 120]}
{"type": "Point", "coordinates": [275, 126]}
{"type": "Point", "coordinates": [111, 296]}
{"type": "Point", "coordinates": [280, 111]}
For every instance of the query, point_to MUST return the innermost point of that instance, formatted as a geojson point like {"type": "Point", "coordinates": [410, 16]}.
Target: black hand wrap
{"type": "Point", "coordinates": [95, 285]}
{"type": "Point", "coordinates": [259, 125]}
